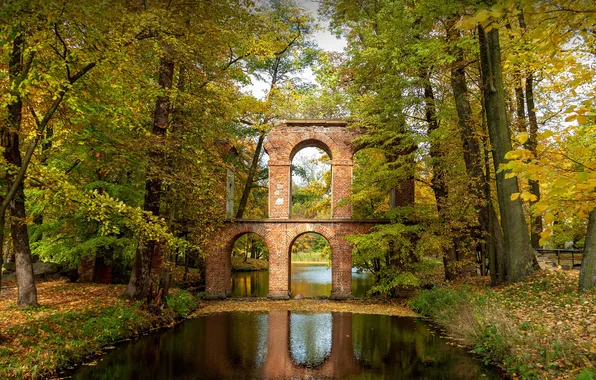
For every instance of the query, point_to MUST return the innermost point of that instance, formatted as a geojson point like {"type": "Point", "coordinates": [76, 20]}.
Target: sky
{"type": "Point", "coordinates": [324, 39]}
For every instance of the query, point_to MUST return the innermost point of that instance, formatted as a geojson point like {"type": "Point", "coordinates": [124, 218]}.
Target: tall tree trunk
{"type": "Point", "coordinates": [587, 274]}
{"type": "Point", "coordinates": [254, 165]}
{"type": "Point", "coordinates": [495, 242]}
{"type": "Point", "coordinates": [471, 147]}
{"type": "Point", "coordinates": [532, 143]}
{"type": "Point", "coordinates": [252, 171]}
{"type": "Point", "coordinates": [438, 185]}
{"type": "Point", "coordinates": [27, 292]}
{"type": "Point", "coordinates": [519, 256]}
{"type": "Point", "coordinates": [139, 286]}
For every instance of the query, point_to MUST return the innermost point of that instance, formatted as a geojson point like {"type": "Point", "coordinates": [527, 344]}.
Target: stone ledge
{"type": "Point", "coordinates": [278, 295]}
{"type": "Point", "coordinates": [311, 221]}
{"type": "Point", "coordinates": [340, 296]}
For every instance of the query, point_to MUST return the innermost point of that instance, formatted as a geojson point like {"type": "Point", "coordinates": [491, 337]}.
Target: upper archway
{"type": "Point", "coordinates": [290, 136]}
{"type": "Point", "coordinates": [286, 139]}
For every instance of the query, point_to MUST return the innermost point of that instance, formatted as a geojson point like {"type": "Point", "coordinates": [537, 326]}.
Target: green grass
{"type": "Point", "coordinates": [182, 303]}
{"type": "Point", "coordinates": [309, 256]}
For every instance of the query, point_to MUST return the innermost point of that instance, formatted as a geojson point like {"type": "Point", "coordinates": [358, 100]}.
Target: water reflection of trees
{"type": "Point", "coordinates": [248, 339]}
{"type": "Point", "coordinates": [404, 348]}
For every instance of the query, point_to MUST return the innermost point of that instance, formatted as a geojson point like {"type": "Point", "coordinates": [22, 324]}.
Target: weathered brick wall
{"type": "Point", "coordinates": [284, 141]}
{"type": "Point", "coordinates": [279, 191]}
{"type": "Point", "coordinates": [341, 187]}
{"type": "Point", "coordinates": [279, 236]}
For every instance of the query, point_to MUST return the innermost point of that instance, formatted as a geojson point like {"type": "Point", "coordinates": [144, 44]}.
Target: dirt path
{"type": "Point", "coordinates": [392, 307]}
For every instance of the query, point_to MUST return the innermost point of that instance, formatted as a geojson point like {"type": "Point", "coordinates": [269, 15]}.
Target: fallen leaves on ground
{"type": "Point", "coordinates": [393, 307]}
{"type": "Point", "coordinates": [548, 325]}
{"type": "Point", "coordinates": [72, 322]}
{"type": "Point", "coordinates": [549, 311]}
{"type": "Point", "coordinates": [57, 296]}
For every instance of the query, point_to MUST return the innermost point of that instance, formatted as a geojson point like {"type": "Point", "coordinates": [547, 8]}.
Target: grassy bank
{"type": "Point", "coordinates": [540, 328]}
{"type": "Point", "coordinates": [74, 322]}
{"type": "Point", "coordinates": [239, 265]}
{"type": "Point", "coordinates": [309, 256]}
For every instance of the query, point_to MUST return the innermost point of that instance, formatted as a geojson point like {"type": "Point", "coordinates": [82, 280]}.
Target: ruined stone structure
{"type": "Point", "coordinates": [280, 231]}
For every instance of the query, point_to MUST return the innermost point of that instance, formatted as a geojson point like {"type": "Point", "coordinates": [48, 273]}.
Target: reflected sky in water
{"type": "Point", "coordinates": [310, 338]}
{"type": "Point", "coordinates": [283, 344]}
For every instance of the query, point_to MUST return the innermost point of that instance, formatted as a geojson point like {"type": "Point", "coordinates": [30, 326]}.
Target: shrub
{"type": "Point", "coordinates": [182, 303]}
{"type": "Point", "coordinates": [441, 304]}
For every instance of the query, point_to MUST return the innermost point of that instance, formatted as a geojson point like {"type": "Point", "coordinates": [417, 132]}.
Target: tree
{"type": "Point", "coordinates": [38, 53]}
{"type": "Point", "coordinates": [293, 53]}
{"type": "Point", "coordinates": [519, 256]}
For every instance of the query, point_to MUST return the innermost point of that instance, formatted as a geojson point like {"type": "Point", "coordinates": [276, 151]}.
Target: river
{"type": "Point", "coordinates": [289, 345]}
{"type": "Point", "coordinates": [308, 279]}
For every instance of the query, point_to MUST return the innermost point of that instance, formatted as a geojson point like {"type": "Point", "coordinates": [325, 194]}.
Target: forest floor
{"type": "Point", "coordinates": [539, 328]}
{"type": "Point", "coordinates": [239, 265]}
{"type": "Point", "coordinates": [73, 322]}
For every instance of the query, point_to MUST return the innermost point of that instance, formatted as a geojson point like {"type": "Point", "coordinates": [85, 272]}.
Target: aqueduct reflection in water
{"type": "Point", "coordinates": [285, 344]}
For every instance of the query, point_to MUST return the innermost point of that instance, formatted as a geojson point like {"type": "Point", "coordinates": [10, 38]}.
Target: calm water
{"type": "Point", "coordinates": [284, 344]}
{"type": "Point", "coordinates": [310, 280]}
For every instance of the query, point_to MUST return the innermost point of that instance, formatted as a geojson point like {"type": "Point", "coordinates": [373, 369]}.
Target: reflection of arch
{"type": "Point", "coordinates": [339, 363]}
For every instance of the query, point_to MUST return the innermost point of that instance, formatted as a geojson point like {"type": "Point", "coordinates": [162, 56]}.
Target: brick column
{"type": "Point", "coordinates": [279, 190]}
{"type": "Point", "coordinates": [218, 282]}
{"type": "Point", "coordinates": [341, 274]}
{"type": "Point", "coordinates": [279, 265]}
{"type": "Point", "coordinates": [341, 187]}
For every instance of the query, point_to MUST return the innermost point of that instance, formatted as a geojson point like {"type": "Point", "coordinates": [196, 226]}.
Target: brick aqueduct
{"type": "Point", "coordinates": [279, 231]}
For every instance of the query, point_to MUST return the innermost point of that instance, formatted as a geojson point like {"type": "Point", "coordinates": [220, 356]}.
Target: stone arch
{"type": "Point", "coordinates": [341, 256]}
{"type": "Point", "coordinates": [218, 280]}
{"type": "Point", "coordinates": [317, 141]}
{"type": "Point", "coordinates": [299, 146]}
{"type": "Point", "coordinates": [304, 228]}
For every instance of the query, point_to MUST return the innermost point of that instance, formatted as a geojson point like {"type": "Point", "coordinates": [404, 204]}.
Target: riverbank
{"type": "Point", "coordinates": [539, 328]}
{"type": "Point", "coordinates": [74, 322]}
{"type": "Point", "coordinates": [239, 265]}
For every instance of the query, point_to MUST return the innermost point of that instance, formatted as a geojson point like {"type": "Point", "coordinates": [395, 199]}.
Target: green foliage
{"type": "Point", "coordinates": [69, 254]}
{"type": "Point", "coordinates": [440, 303]}
{"type": "Point", "coordinates": [182, 303]}
{"type": "Point", "coordinates": [311, 247]}
{"type": "Point", "coordinates": [398, 253]}
{"type": "Point", "coordinates": [252, 246]}
{"type": "Point", "coordinates": [586, 375]}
